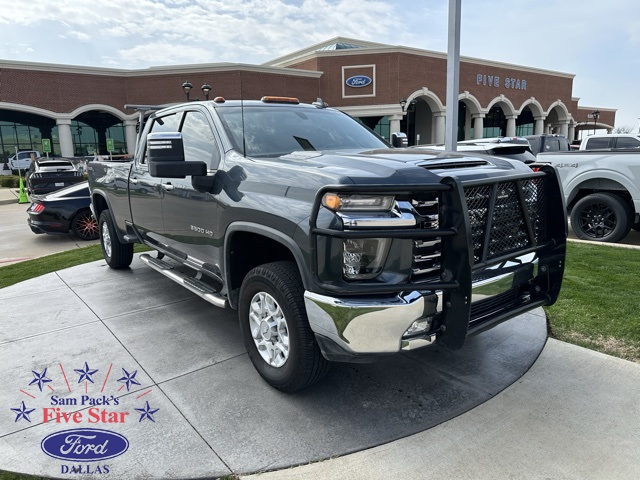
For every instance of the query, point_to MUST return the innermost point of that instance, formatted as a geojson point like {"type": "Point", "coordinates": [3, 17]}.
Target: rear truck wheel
{"type": "Point", "coordinates": [604, 217]}
{"type": "Point", "coordinates": [275, 328]}
{"type": "Point", "coordinates": [116, 253]}
{"type": "Point", "coordinates": [85, 226]}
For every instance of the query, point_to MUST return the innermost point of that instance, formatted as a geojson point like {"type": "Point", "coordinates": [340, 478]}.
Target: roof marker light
{"type": "Point", "coordinates": [270, 99]}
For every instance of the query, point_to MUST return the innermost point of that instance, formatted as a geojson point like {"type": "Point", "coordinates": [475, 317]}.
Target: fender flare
{"type": "Point", "coordinates": [273, 234]}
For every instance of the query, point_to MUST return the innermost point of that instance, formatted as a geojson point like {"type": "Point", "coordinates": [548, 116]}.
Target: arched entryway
{"type": "Point", "coordinates": [424, 118]}
{"type": "Point", "coordinates": [25, 131]}
{"type": "Point", "coordinates": [90, 131]}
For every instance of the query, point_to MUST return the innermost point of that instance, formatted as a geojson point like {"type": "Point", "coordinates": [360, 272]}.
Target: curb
{"type": "Point", "coordinates": [5, 200]}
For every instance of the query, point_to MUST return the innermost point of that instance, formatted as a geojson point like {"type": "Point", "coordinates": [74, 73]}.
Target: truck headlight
{"type": "Point", "coordinates": [363, 203]}
{"type": "Point", "coordinates": [363, 258]}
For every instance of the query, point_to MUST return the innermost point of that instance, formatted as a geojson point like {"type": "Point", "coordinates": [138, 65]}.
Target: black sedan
{"type": "Point", "coordinates": [64, 210]}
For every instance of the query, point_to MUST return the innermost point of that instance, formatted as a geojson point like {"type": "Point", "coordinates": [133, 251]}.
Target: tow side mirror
{"type": "Point", "coordinates": [166, 157]}
{"type": "Point", "coordinates": [399, 140]}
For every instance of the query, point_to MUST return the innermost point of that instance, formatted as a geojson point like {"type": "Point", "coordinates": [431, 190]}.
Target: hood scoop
{"type": "Point", "coordinates": [454, 164]}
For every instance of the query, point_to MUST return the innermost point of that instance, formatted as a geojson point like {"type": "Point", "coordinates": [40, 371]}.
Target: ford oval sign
{"type": "Point", "coordinates": [358, 81]}
{"type": "Point", "coordinates": [84, 445]}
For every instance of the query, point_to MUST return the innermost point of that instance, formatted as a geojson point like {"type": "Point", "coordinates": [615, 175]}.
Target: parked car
{"type": "Point", "coordinates": [610, 141]}
{"type": "Point", "coordinates": [22, 161]}
{"type": "Point", "coordinates": [46, 175]}
{"type": "Point", "coordinates": [548, 142]}
{"type": "Point", "coordinates": [515, 148]}
{"type": "Point", "coordinates": [63, 211]}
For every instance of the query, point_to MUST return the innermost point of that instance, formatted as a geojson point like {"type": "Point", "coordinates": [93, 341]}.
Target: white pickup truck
{"type": "Point", "coordinates": [22, 161]}
{"type": "Point", "coordinates": [601, 190]}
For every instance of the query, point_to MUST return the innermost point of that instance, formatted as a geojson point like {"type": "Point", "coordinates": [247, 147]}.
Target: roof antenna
{"type": "Point", "coordinates": [244, 143]}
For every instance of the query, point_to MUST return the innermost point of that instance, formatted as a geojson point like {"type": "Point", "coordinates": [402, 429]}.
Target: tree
{"type": "Point", "coordinates": [623, 129]}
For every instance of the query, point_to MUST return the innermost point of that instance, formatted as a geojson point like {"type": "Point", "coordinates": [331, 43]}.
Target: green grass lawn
{"type": "Point", "coordinates": [598, 308]}
{"type": "Point", "coordinates": [599, 305]}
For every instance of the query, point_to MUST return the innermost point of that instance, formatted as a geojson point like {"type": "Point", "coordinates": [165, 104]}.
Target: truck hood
{"type": "Point", "coordinates": [406, 166]}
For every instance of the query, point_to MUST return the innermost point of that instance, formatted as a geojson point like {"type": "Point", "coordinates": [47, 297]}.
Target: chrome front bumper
{"type": "Point", "coordinates": [370, 326]}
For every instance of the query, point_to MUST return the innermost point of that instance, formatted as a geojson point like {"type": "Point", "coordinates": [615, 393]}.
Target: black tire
{"type": "Point", "coordinates": [604, 217]}
{"type": "Point", "coordinates": [117, 254]}
{"type": "Point", "coordinates": [298, 362]}
{"type": "Point", "coordinates": [84, 225]}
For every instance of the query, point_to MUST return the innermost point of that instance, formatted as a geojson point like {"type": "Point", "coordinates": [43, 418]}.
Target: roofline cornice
{"type": "Point", "coordinates": [167, 70]}
{"type": "Point", "coordinates": [410, 51]}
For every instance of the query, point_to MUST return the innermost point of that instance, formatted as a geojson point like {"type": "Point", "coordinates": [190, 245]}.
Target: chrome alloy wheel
{"type": "Point", "coordinates": [106, 239]}
{"type": "Point", "coordinates": [269, 329]}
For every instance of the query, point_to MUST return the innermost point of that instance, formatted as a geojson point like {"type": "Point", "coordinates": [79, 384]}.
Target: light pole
{"type": "Point", "coordinates": [206, 88]}
{"type": "Point", "coordinates": [187, 87]}
{"type": "Point", "coordinates": [595, 114]}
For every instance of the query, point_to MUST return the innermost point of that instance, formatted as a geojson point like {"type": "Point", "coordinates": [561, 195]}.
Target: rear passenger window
{"type": "Point", "coordinates": [598, 143]}
{"type": "Point", "coordinates": [199, 140]}
{"type": "Point", "coordinates": [628, 142]}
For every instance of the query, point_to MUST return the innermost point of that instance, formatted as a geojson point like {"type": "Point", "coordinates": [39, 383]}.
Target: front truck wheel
{"type": "Point", "coordinates": [275, 328]}
{"type": "Point", "coordinates": [116, 253]}
{"type": "Point", "coordinates": [603, 217]}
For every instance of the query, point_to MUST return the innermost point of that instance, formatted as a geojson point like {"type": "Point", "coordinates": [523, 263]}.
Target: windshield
{"type": "Point", "coordinates": [271, 131]}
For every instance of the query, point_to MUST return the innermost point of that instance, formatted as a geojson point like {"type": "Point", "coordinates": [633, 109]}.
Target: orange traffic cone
{"type": "Point", "coordinates": [23, 194]}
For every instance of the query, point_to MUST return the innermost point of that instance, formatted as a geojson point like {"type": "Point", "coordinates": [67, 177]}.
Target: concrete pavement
{"type": "Point", "coordinates": [18, 242]}
{"type": "Point", "coordinates": [574, 415]}
{"type": "Point", "coordinates": [90, 329]}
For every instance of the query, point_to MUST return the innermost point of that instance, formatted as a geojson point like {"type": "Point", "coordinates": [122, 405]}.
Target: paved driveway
{"type": "Point", "coordinates": [208, 413]}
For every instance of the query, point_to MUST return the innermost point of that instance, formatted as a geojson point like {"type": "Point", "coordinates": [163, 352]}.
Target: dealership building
{"type": "Point", "coordinates": [388, 88]}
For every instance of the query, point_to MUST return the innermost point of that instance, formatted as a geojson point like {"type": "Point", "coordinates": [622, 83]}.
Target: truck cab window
{"type": "Point", "coordinates": [199, 141]}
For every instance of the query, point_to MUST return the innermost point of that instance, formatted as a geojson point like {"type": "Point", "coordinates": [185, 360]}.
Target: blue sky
{"type": "Point", "coordinates": [597, 41]}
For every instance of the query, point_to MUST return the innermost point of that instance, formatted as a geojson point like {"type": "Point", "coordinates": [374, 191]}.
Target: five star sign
{"type": "Point", "coordinates": [85, 374]}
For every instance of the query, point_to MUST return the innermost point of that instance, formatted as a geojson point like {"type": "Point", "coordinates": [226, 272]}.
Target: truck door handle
{"type": "Point", "coordinates": [167, 186]}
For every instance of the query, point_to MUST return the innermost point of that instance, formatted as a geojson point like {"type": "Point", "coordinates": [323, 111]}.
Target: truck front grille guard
{"type": "Point", "coordinates": [505, 216]}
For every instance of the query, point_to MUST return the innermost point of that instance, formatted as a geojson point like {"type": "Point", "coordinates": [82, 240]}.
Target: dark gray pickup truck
{"type": "Point", "coordinates": [330, 244]}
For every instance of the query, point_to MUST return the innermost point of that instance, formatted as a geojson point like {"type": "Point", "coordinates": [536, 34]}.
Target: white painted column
{"type": "Point", "coordinates": [467, 125]}
{"type": "Point", "coordinates": [131, 135]}
{"type": "Point", "coordinates": [478, 125]}
{"type": "Point", "coordinates": [511, 125]}
{"type": "Point", "coordinates": [439, 131]}
{"type": "Point", "coordinates": [564, 128]}
{"type": "Point", "coordinates": [66, 140]}
{"type": "Point", "coordinates": [538, 128]}
{"type": "Point", "coordinates": [572, 132]}
{"type": "Point", "coordinates": [394, 123]}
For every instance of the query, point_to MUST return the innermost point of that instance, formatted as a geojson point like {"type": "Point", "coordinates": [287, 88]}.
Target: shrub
{"type": "Point", "coordinates": [9, 181]}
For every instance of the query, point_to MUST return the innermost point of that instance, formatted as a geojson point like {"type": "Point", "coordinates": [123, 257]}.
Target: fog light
{"type": "Point", "coordinates": [422, 325]}
{"type": "Point", "coordinates": [363, 258]}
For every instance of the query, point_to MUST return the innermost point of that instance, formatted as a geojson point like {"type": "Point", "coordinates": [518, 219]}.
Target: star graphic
{"type": "Point", "coordinates": [40, 378]}
{"type": "Point", "coordinates": [23, 412]}
{"type": "Point", "coordinates": [129, 379]}
{"type": "Point", "coordinates": [85, 374]}
{"type": "Point", "coordinates": [147, 412]}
